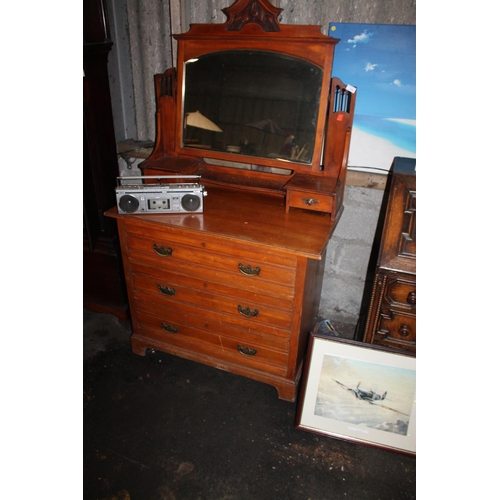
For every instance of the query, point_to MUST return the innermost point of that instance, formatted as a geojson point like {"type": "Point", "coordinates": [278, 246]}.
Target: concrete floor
{"type": "Point", "coordinates": [160, 427]}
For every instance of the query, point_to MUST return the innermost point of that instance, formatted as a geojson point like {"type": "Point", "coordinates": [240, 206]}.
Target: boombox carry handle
{"type": "Point", "coordinates": [156, 177]}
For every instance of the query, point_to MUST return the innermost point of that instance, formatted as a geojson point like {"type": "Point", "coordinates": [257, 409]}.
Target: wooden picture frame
{"type": "Point", "coordinates": [359, 392]}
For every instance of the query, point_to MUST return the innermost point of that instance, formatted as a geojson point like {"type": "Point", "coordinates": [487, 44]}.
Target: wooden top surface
{"type": "Point", "coordinates": [315, 183]}
{"type": "Point", "coordinates": [253, 217]}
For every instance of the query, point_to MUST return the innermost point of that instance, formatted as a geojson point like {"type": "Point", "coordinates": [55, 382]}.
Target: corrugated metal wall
{"type": "Point", "coordinates": [151, 23]}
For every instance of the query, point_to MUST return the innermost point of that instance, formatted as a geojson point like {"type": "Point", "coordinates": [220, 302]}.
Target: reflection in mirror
{"type": "Point", "coordinates": [255, 103]}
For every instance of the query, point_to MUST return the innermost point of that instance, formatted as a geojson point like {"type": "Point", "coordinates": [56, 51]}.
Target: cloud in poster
{"type": "Point", "coordinates": [362, 38]}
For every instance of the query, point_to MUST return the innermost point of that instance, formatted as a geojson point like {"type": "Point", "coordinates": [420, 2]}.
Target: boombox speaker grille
{"type": "Point", "coordinates": [128, 204]}
{"type": "Point", "coordinates": [190, 202]}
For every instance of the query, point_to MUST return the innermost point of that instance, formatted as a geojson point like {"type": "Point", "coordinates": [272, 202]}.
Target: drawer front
{"type": "Point", "coordinates": [207, 318]}
{"type": "Point", "coordinates": [223, 342]}
{"type": "Point", "coordinates": [401, 293]}
{"type": "Point", "coordinates": [396, 329]}
{"type": "Point", "coordinates": [310, 201]}
{"type": "Point", "coordinates": [189, 289]}
{"type": "Point", "coordinates": [173, 291]}
{"type": "Point", "coordinates": [392, 320]}
{"type": "Point", "coordinates": [254, 274]}
{"type": "Point", "coordinates": [210, 243]}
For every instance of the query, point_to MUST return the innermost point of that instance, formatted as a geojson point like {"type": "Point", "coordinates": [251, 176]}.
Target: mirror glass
{"type": "Point", "coordinates": [257, 103]}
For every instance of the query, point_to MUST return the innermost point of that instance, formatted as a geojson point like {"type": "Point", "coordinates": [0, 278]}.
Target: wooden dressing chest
{"type": "Point", "coordinates": [237, 287]}
{"type": "Point", "coordinates": [253, 111]}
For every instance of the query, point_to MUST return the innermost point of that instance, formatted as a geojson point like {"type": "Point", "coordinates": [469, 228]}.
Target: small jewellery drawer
{"type": "Point", "coordinates": [226, 343]}
{"type": "Point", "coordinates": [396, 329]}
{"type": "Point", "coordinates": [209, 318]}
{"type": "Point", "coordinates": [310, 201]}
{"type": "Point", "coordinates": [173, 291]}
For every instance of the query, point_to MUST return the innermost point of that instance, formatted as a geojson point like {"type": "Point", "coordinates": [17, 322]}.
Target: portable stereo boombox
{"type": "Point", "coordinates": [159, 198]}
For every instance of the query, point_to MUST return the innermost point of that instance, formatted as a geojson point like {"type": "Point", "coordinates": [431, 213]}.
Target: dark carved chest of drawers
{"type": "Point", "coordinates": [236, 287]}
{"type": "Point", "coordinates": [391, 320]}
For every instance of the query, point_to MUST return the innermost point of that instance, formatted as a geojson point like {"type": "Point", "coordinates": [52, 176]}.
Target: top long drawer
{"type": "Point", "coordinates": [250, 271]}
{"type": "Point", "coordinates": [217, 246]}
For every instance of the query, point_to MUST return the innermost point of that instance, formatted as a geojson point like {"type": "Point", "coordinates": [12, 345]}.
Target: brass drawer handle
{"type": "Point", "coordinates": [404, 330]}
{"type": "Point", "coordinates": [246, 351]}
{"type": "Point", "coordinates": [248, 312]}
{"type": "Point", "coordinates": [169, 328]}
{"type": "Point", "coordinates": [166, 290]}
{"type": "Point", "coordinates": [164, 252]}
{"type": "Point", "coordinates": [411, 298]}
{"type": "Point", "coordinates": [248, 271]}
{"type": "Point", "coordinates": [310, 201]}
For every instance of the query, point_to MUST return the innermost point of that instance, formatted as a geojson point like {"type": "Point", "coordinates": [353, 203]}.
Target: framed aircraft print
{"type": "Point", "coordinates": [359, 392]}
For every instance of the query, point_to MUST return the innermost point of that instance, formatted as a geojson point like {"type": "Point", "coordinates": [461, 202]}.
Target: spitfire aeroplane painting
{"type": "Point", "coordinates": [370, 396]}
{"type": "Point", "coordinates": [366, 394]}
{"type": "Point", "coordinates": [359, 392]}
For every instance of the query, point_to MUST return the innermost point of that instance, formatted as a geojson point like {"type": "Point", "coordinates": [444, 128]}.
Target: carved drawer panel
{"type": "Point", "coordinates": [393, 312]}
{"type": "Point", "coordinates": [399, 248]}
{"type": "Point", "coordinates": [399, 293]}
{"type": "Point", "coordinates": [396, 329]}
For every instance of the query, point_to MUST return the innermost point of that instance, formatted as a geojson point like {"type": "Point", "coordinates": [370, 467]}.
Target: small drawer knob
{"type": "Point", "coordinates": [404, 330]}
{"type": "Point", "coordinates": [411, 298]}
{"type": "Point", "coordinates": [310, 201]}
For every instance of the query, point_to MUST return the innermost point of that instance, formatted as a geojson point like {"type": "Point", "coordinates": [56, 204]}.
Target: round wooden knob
{"type": "Point", "coordinates": [404, 330]}
{"type": "Point", "coordinates": [411, 298]}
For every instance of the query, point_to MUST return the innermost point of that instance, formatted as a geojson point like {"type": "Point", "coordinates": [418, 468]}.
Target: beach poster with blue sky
{"type": "Point", "coordinates": [380, 61]}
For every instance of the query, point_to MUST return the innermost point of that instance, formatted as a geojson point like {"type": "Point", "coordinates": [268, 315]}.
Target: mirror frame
{"type": "Point", "coordinates": [253, 26]}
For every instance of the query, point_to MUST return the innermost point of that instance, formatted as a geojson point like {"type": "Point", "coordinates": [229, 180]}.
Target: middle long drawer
{"type": "Point", "coordinates": [248, 309]}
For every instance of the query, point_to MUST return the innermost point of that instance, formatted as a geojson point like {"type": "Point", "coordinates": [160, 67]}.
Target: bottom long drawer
{"type": "Point", "coordinates": [229, 344]}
